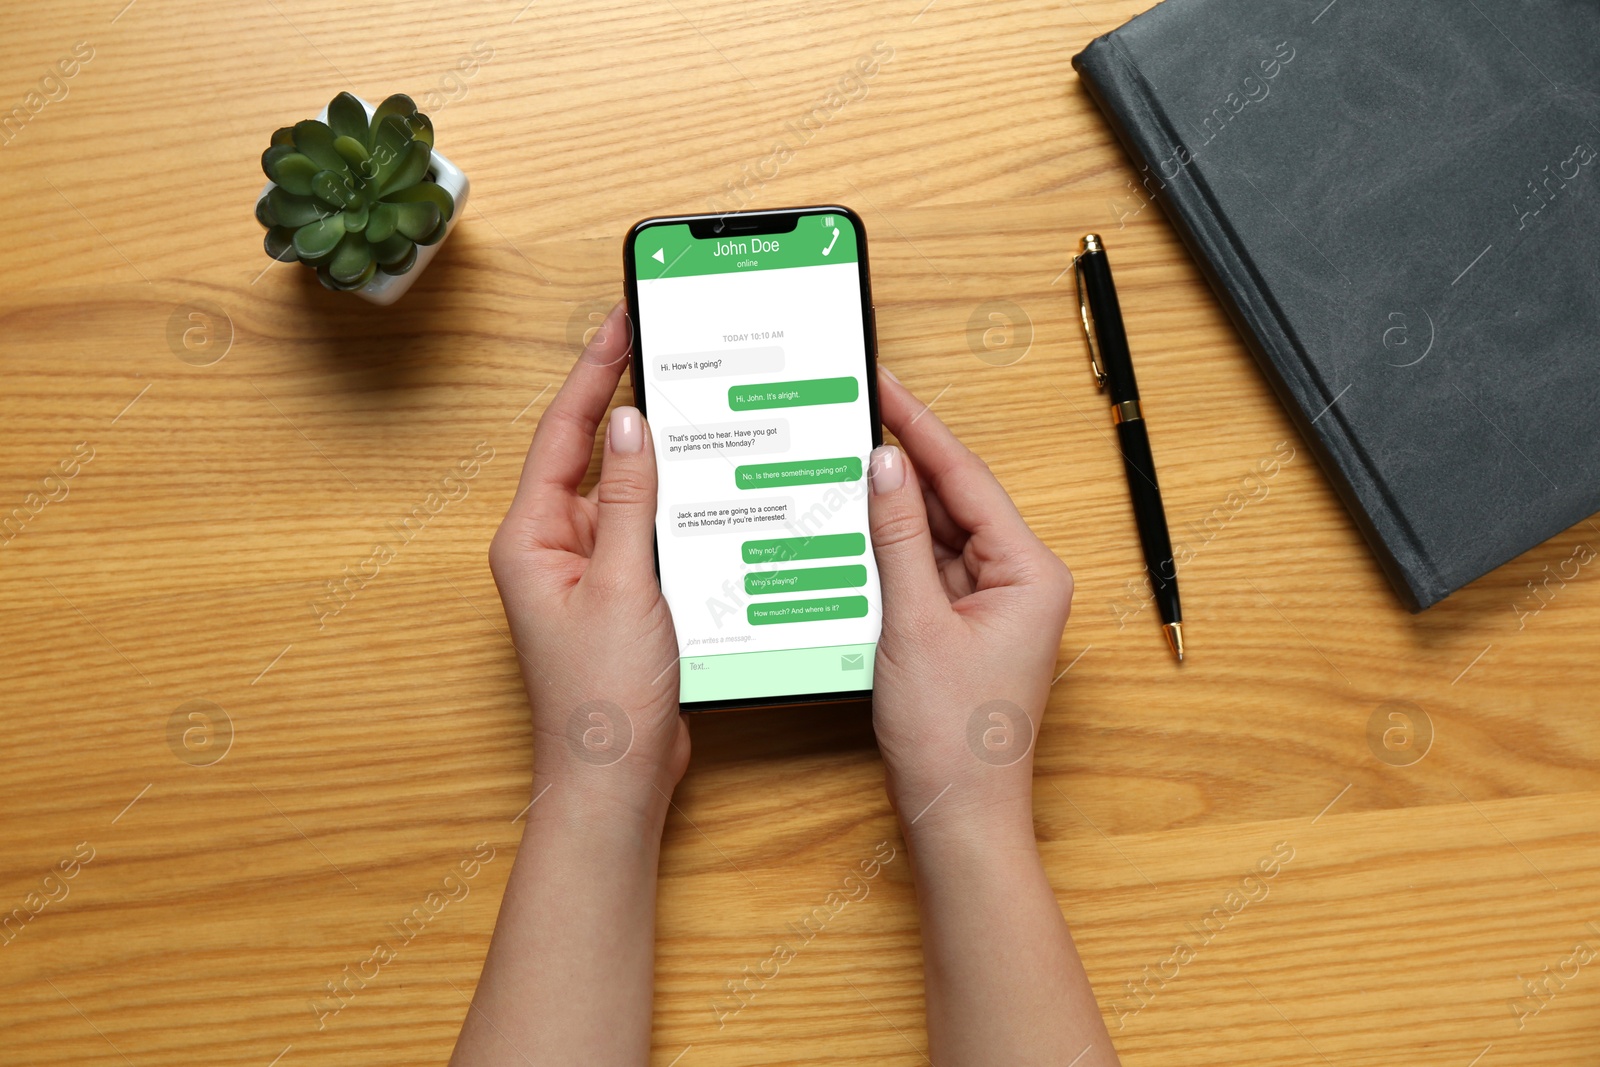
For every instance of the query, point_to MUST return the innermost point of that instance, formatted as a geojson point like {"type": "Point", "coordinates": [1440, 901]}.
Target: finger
{"type": "Point", "coordinates": [564, 440]}
{"type": "Point", "coordinates": [971, 494]}
{"type": "Point", "coordinates": [944, 528]}
{"type": "Point", "coordinates": [624, 546]}
{"type": "Point", "coordinates": [901, 541]}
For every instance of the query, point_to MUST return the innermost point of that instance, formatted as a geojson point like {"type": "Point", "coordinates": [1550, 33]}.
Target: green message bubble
{"type": "Point", "coordinates": [839, 607]}
{"type": "Point", "coordinates": [804, 472]}
{"type": "Point", "coordinates": [806, 579]}
{"type": "Point", "coordinates": [801, 394]}
{"type": "Point", "coordinates": [822, 546]}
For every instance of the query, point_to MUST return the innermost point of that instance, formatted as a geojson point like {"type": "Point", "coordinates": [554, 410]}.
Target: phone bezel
{"type": "Point", "coordinates": [782, 220]}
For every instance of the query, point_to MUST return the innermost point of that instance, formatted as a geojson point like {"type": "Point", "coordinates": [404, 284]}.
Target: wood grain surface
{"type": "Point", "coordinates": [239, 438]}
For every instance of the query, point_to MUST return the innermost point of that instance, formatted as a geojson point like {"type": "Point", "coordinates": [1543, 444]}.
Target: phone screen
{"type": "Point", "coordinates": [753, 365]}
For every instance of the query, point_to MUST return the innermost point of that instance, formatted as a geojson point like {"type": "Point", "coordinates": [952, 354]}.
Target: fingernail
{"type": "Point", "coordinates": [889, 373]}
{"type": "Point", "coordinates": [626, 432]}
{"type": "Point", "coordinates": [886, 470]}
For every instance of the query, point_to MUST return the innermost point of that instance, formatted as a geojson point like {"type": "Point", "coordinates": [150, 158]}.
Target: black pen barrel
{"type": "Point", "coordinates": [1113, 365]}
{"type": "Point", "coordinates": [1109, 332]}
{"type": "Point", "coordinates": [1151, 517]}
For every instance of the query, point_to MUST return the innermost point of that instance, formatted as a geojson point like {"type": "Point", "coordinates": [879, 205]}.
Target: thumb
{"type": "Point", "coordinates": [624, 532]}
{"type": "Point", "coordinates": [901, 541]}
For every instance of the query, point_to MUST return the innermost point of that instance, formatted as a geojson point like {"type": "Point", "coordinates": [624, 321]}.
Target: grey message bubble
{"type": "Point", "coordinates": [765, 359]}
{"type": "Point", "coordinates": [731, 516]}
{"type": "Point", "coordinates": [752, 438]}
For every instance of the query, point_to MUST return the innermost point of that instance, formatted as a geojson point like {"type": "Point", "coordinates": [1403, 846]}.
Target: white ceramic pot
{"type": "Point", "coordinates": [387, 288]}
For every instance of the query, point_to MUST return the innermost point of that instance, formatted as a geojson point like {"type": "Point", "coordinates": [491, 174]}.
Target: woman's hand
{"type": "Point", "coordinates": [973, 608]}
{"type": "Point", "coordinates": [577, 577]}
{"type": "Point", "coordinates": [570, 972]}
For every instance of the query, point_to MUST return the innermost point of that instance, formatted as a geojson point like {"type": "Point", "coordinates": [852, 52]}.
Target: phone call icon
{"type": "Point", "coordinates": [833, 242]}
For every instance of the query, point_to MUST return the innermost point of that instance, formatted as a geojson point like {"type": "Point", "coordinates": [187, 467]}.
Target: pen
{"type": "Point", "coordinates": [1113, 368]}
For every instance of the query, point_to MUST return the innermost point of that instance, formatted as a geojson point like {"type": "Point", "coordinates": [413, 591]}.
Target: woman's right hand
{"type": "Point", "coordinates": [973, 608]}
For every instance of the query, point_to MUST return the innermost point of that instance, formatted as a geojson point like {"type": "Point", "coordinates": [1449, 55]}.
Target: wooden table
{"type": "Point", "coordinates": [268, 787]}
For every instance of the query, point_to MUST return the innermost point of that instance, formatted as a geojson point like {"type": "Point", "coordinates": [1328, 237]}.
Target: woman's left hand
{"type": "Point", "coordinates": [577, 577]}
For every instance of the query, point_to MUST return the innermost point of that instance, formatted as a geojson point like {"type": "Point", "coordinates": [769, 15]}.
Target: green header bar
{"type": "Point", "coordinates": [672, 252]}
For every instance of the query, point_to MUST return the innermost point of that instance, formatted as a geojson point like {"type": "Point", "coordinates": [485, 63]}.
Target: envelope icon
{"type": "Point", "coordinates": [852, 661]}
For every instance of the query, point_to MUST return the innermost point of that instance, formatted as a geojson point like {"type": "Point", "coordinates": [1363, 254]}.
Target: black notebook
{"type": "Point", "coordinates": [1399, 206]}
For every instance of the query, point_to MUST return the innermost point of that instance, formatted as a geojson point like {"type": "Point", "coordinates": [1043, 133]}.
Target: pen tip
{"type": "Point", "coordinates": [1174, 632]}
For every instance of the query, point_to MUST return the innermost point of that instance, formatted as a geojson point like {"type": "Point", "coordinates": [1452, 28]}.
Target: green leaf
{"type": "Point", "coordinates": [279, 244]}
{"type": "Point", "coordinates": [327, 280]}
{"type": "Point", "coordinates": [273, 158]}
{"type": "Point", "coordinates": [402, 266]}
{"type": "Point", "coordinates": [424, 191]}
{"type": "Point", "coordinates": [399, 106]}
{"type": "Point", "coordinates": [352, 152]}
{"type": "Point", "coordinates": [336, 190]}
{"type": "Point", "coordinates": [355, 219]}
{"type": "Point", "coordinates": [381, 222]}
{"type": "Point", "coordinates": [264, 213]}
{"type": "Point", "coordinates": [315, 139]}
{"type": "Point", "coordinates": [283, 135]}
{"type": "Point", "coordinates": [319, 238]}
{"type": "Point", "coordinates": [351, 259]}
{"type": "Point", "coordinates": [437, 235]}
{"type": "Point", "coordinates": [412, 169]}
{"type": "Point", "coordinates": [295, 211]}
{"type": "Point", "coordinates": [417, 220]}
{"type": "Point", "coordinates": [347, 118]}
{"type": "Point", "coordinates": [289, 169]}
{"type": "Point", "coordinates": [392, 249]}
{"type": "Point", "coordinates": [421, 128]}
{"type": "Point", "coordinates": [390, 143]}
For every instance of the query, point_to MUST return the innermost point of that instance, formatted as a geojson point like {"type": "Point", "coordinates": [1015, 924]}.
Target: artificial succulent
{"type": "Point", "coordinates": [350, 196]}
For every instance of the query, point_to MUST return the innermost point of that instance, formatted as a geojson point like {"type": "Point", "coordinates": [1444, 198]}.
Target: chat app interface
{"type": "Point", "coordinates": [755, 381]}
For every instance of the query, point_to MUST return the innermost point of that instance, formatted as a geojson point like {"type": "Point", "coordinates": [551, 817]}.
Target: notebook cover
{"type": "Point", "coordinates": [1399, 207]}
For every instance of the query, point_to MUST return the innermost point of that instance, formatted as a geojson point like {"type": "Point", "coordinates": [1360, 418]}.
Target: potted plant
{"type": "Point", "coordinates": [359, 195]}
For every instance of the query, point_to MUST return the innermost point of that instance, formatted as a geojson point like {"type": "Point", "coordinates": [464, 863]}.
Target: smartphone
{"type": "Point", "coordinates": [754, 358]}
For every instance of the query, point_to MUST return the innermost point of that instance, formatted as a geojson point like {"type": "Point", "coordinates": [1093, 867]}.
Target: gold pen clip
{"type": "Point", "coordinates": [1091, 243]}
